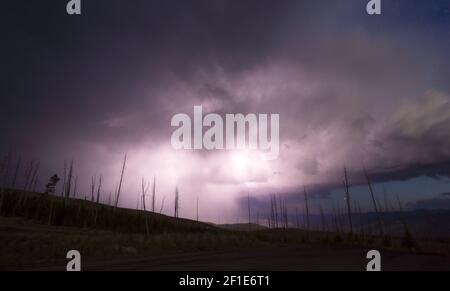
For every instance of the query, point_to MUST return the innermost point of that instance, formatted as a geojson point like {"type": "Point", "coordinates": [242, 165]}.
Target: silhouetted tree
{"type": "Point", "coordinates": [347, 199]}
{"type": "Point", "coordinates": [120, 181]}
{"type": "Point", "coordinates": [176, 203]}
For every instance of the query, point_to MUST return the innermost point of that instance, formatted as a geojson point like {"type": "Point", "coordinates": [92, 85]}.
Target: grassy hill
{"type": "Point", "coordinates": [242, 226]}
{"type": "Point", "coordinates": [37, 229]}
{"type": "Point", "coordinates": [57, 211]}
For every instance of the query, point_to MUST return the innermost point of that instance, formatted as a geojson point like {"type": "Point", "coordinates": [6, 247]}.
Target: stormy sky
{"type": "Point", "coordinates": [351, 89]}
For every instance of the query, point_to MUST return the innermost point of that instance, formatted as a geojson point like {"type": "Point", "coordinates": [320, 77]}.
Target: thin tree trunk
{"type": "Point", "coordinates": [99, 189]}
{"type": "Point", "coordinates": [144, 194]}
{"type": "Point", "coordinates": [248, 205]}
{"type": "Point", "coordinates": [69, 182]}
{"type": "Point", "coordinates": [92, 188]}
{"type": "Point", "coordinates": [306, 208]}
{"type": "Point", "coordinates": [176, 205]}
{"type": "Point", "coordinates": [154, 194]}
{"type": "Point", "coordinates": [380, 224]}
{"type": "Point", "coordinates": [121, 180]}
{"type": "Point", "coordinates": [197, 210]}
{"type": "Point", "coordinates": [35, 178]}
{"type": "Point", "coordinates": [276, 210]}
{"type": "Point", "coordinates": [347, 198]}
{"type": "Point", "coordinates": [162, 205]}
{"type": "Point", "coordinates": [64, 179]}
{"type": "Point", "coordinates": [75, 186]}
{"type": "Point", "coordinates": [138, 200]}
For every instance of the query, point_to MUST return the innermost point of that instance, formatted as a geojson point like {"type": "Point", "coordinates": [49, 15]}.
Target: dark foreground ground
{"type": "Point", "coordinates": [287, 258]}
{"type": "Point", "coordinates": [36, 232]}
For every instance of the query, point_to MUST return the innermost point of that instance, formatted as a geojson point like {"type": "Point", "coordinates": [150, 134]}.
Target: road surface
{"type": "Point", "coordinates": [292, 258]}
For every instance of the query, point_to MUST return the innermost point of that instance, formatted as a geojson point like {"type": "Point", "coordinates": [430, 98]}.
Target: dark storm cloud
{"type": "Point", "coordinates": [84, 71]}
{"type": "Point", "coordinates": [350, 89]}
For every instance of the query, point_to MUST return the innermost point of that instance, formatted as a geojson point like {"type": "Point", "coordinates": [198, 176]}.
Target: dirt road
{"type": "Point", "coordinates": [292, 258]}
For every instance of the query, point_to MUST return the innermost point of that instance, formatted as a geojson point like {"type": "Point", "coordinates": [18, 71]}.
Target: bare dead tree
{"type": "Point", "coordinates": [162, 205]}
{"type": "Point", "coordinates": [280, 210]}
{"type": "Point", "coordinates": [154, 194]}
{"type": "Point", "coordinates": [285, 213]}
{"type": "Point", "coordinates": [275, 207]}
{"type": "Point", "coordinates": [115, 192]}
{"type": "Point", "coordinates": [138, 200]}
{"type": "Point", "coordinates": [69, 182]}
{"type": "Point", "coordinates": [248, 205]}
{"type": "Point", "coordinates": [92, 188]}
{"type": "Point", "coordinates": [176, 203]}
{"type": "Point", "coordinates": [75, 186]}
{"type": "Point", "coordinates": [272, 213]}
{"type": "Point", "coordinates": [306, 208]}
{"type": "Point", "coordinates": [372, 194]}
{"type": "Point", "coordinates": [35, 183]}
{"type": "Point", "coordinates": [144, 188]}
{"type": "Point", "coordinates": [197, 210]}
{"type": "Point", "coordinates": [296, 218]}
{"type": "Point", "coordinates": [121, 181]}
{"type": "Point", "coordinates": [97, 200]}
{"type": "Point", "coordinates": [347, 198]}
{"type": "Point", "coordinates": [361, 219]}
{"type": "Point", "coordinates": [99, 189]}
{"type": "Point", "coordinates": [63, 189]}
{"type": "Point", "coordinates": [358, 228]}
{"type": "Point", "coordinates": [34, 178]}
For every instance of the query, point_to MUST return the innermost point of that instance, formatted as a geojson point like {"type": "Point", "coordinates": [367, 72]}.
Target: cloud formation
{"type": "Point", "coordinates": [350, 90]}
